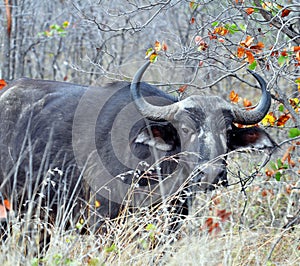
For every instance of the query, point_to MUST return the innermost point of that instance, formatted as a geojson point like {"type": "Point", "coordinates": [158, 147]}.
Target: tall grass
{"type": "Point", "coordinates": [238, 225]}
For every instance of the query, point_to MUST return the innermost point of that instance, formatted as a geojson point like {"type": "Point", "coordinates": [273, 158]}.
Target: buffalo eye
{"type": "Point", "coordinates": [185, 129]}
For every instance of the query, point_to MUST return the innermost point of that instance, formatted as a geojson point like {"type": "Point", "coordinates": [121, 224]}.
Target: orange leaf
{"type": "Point", "coordinates": [282, 120]}
{"type": "Point", "coordinates": [250, 57]}
{"type": "Point", "coordinates": [249, 10]}
{"type": "Point", "coordinates": [182, 88]}
{"type": "Point", "coordinates": [2, 83]}
{"type": "Point", "coordinates": [221, 31]}
{"type": "Point", "coordinates": [157, 46]}
{"type": "Point", "coordinates": [258, 47]}
{"type": "Point", "coordinates": [247, 42]}
{"type": "Point", "coordinates": [240, 52]}
{"type": "Point", "coordinates": [234, 97]}
{"type": "Point", "coordinates": [247, 103]}
{"type": "Point", "coordinates": [7, 204]}
{"type": "Point", "coordinates": [192, 21]}
{"type": "Point", "coordinates": [164, 46]}
{"type": "Point", "coordinates": [296, 48]}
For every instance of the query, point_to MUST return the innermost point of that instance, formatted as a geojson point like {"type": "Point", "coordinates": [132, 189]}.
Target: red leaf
{"type": "Point", "coordinates": [223, 214]}
{"type": "Point", "coordinates": [285, 13]}
{"type": "Point", "coordinates": [164, 46]}
{"type": "Point", "coordinates": [182, 88]}
{"type": "Point", "coordinates": [209, 221]}
{"type": "Point", "coordinates": [2, 83]}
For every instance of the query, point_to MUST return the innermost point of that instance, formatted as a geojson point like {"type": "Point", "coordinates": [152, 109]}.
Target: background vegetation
{"type": "Point", "coordinates": [205, 47]}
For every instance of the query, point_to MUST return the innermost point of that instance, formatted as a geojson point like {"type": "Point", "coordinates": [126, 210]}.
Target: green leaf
{"type": "Point", "coordinates": [243, 27]}
{"type": "Point", "coordinates": [94, 262]}
{"type": "Point", "coordinates": [282, 60]}
{"type": "Point", "coordinates": [281, 108]}
{"type": "Point", "coordinates": [277, 176]}
{"type": "Point", "coordinates": [112, 248]}
{"type": "Point", "coordinates": [150, 227]}
{"type": "Point", "coordinates": [273, 166]}
{"type": "Point", "coordinates": [215, 24]}
{"type": "Point", "coordinates": [294, 132]}
{"type": "Point", "coordinates": [253, 65]}
{"type": "Point", "coordinates": [233, 28]}
{"type": "Point", "coordinates": [279, 163]}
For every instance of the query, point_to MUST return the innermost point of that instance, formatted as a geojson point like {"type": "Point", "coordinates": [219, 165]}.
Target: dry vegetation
{"type": "Point", "coordinates": [239, 225]}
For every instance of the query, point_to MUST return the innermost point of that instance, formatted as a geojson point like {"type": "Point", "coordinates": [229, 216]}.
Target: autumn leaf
{"type": "Point", "coordinates": [97, 204]}
{"type": "Point", "coordinates": [209, 221]}
{"type": "Point", "coordinates": [157, 46]}
{"type": "Point", "coordinates": [282, 120]}
{"type": "Point", "coordinates": [295, 103]}
{"type": "Point", "coordinates": [258, 47]}
{"type": "Point", "coordinates": [285, 12]}
{"type": "Point", "coordinates": [247, 42]}
{"type": "Point", "coordinates": [2, 83]}
{"type": "Point", "coordinates": [223, 214]}
{"type": "Point", "coordinates": [240, 52]}
{"type": "Point", "coordinates": [296, 49]}
{"type": "Point", "coordinates": [153, 57]}
{"type": "Point", "coordinates": [164, 46]}
{"type": "Point", "coordinates": [7, 204]}
{"type": "Point", "coordinates": [298, 58]}
{"type": "Point", "coordinates": [250, 57]}
{"type": "Point", "coordinates": [234, 97]}
{"type": "Point", "coordinates": [269, 119]}
{"type": "Point", "coordinates": [220, 31]}
{"type": "Point", "coordinates": [66, 24]}
{"type": "Point", "coordinates": [249, 10]}
{"type": "Point", "coordinates": [247, 103]}
{"type": "Point", "coordinates": [182, 88]}
{"type": "Point", "coordinates": [193, 5]}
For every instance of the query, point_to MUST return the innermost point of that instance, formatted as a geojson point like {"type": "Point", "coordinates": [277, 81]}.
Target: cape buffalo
{"type": "Point", "coordinates": [69, 146]}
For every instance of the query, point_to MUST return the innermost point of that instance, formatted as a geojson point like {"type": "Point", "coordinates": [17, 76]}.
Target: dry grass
{"type": "Point", "coordinates": [238, 225]}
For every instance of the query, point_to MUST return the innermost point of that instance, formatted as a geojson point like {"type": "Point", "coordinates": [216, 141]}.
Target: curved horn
{"type": "Point", "coordinates": [258, 113]}
{"type": "Point", "coordinates": [146, 109]}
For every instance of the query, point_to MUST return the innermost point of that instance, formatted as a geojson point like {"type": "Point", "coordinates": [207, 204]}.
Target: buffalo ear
{"type": "Point", "coordinates": [252, 137]}
{"type": "Point", "coordinates": [153, 139]}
